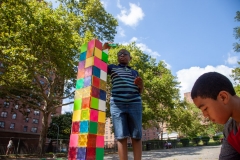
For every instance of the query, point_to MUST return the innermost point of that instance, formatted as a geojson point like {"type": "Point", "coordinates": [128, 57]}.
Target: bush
{"type": "Point", "coordinates": [196, 140]}
{"type": "Point", "coordinates": [216, 138]}
{"type": "Point", "coordinates": [205, 140]}
{"type": "Point", "coordinates": [185, 142]}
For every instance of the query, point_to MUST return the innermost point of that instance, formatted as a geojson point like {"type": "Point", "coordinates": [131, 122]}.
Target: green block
{"type": "Point", "coordinates": [93, 127]}
{"type": "Point", "coordinates": [94, 103]}
{"type": "Point", "coordinates": [99, 153]}
{"type": "Point", "coordinates": [84, 48]}
{"type": "Point", "coordinates": [77, 104]}
{"type": "Point", "coordinates": [105, 57]}
{"type": "Point", "coordinates": [80, 83]}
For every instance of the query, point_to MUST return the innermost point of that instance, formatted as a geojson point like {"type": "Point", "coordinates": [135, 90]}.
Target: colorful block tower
{"type": "Point", "coordinates": [88, 120]}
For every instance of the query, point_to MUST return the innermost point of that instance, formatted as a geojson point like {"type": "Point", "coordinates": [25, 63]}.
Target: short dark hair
{"type": "Point", "coordinates": [210, 84]}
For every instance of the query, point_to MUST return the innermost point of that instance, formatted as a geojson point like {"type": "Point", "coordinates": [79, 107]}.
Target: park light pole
{"type": "Point", "coordinates": [57, 134]}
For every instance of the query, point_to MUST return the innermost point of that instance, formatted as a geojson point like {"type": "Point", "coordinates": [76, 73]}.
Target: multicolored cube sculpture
{"type": "Point", "coordinates": [88, 120]}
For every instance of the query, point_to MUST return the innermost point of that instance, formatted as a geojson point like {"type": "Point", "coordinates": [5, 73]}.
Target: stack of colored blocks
{"type": "Point", "coordinates": [88, 120]}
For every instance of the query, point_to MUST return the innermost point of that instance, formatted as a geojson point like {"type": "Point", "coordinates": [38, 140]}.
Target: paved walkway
{"type": "Point", "coordinates": [185, 153]}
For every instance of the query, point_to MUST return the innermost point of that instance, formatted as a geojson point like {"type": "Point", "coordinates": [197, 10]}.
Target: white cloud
{"type": "Point", "coordinates": [121, 32]}
{"type": "Point", "coordinates": [168, 66]}
{"type": "Point", "coordinates": [145, 49]}
{"type": "Point", "coordinates": [67, 108]}
{"type": "Point", "coordinates": [104, 3]}
{"type": "Point", "coordinates": [232, 60]}
{"type": "Point", "coordinates": [187, 77]}
{"type": "Point", "coordinates": [132, 16]}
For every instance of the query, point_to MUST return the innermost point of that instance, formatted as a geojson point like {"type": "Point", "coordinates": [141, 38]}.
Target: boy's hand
{"type": "Point", "coordinates": [139, 82]}
{"type": "Point", "coordinates": [106, 45]}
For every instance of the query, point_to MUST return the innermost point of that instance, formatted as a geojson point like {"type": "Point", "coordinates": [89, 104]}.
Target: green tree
{"type": "Point", "coordinates": [39, 49]}
{"type": "Point", "coordinates": [64, 121]}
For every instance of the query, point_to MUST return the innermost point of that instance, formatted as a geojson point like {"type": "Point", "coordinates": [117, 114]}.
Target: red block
{"type": "Point", "coordinates": [96, 81]}
{"type": "Point", "coordinates": [91, 140]}
{"type": "Point", "coordinates": [95, 92]}
{"type": "Point", "coordinates": [72, 153]}
{"type": "Point", "coordinates": [75, 127]}
{"type": "Point", "coordinates": [91, 153]}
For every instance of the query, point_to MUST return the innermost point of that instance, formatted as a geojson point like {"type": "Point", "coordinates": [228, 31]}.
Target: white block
{"type": "Point", "coordinates": [103, 75]}
{"type": "Point", "coordinates": [102, 105]}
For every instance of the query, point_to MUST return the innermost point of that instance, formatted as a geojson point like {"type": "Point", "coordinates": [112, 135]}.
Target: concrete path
{"type": "Point", "coordinates": [185, 153]}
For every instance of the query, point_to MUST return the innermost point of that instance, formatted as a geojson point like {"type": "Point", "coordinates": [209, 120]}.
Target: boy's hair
{"type": "Point", "coordinates": [210, 84]}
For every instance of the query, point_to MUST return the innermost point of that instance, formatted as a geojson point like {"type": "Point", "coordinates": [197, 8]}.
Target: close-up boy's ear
{"type": "Point", "coordinates": [224, 96]}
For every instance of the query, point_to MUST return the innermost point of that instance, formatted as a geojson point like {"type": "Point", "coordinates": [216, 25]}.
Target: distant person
{"type": "Point", "coordinates": [126, 104]}
{"type": "Point", "coordinates": [214, 94]}
{"type": "Point", "coordinates": [9, 147]}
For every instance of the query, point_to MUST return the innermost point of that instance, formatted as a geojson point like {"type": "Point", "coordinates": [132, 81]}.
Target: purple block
{"type": "Point", "coordinates": [81, 154]}
{"type": "Point", "coordinates": [87, 81]}
{"type": "Point", "coordinates": [81, 65]}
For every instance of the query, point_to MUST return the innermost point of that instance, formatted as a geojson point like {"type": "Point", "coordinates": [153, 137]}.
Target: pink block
{"type": "Point", "coordinates": [100, 64]}
{"type": "Point", "coordinates": [100, 141]}
{"type": "Point", "coordinates": [93, 115]}
{"type": "Point", "coordinates": [73, 140]}
{"type": "Point", "coordinates": [81, 65]}
{"type": "Point", "coordinates": [95, 43]}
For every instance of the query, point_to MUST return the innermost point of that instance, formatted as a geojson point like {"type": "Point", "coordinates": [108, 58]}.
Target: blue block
{"type": "Point", "coordinates": [96, 71]}
{"type": "Point", "coordinates": [87, 81]}
{"type": "Point", "coordinates": [102, 95]}
{"type": "Point", "coordinates": [81, 154]}
{"type": "Point", "coordinates": [83, 56]}
{"type": "Point", "coordinates": [84, 126]}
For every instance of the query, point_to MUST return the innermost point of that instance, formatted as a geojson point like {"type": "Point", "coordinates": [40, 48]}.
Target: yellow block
{"type": "Point", "coordinates": [101, 116]}
{"type": "Point", "coordinates": [86, 92]}
{"type": "Point", "coordinates": [89, 62]}
{"type": "Point", "coordinates": [98, 53]}
{"type": "Point", "coordinates": [79, 93]}
{"type": "Point", "coordinates": [82, 140]}
{"type": "Point", "coordinates": [85, 115]}
{"type": "Point", "coordinates": [76, 115]}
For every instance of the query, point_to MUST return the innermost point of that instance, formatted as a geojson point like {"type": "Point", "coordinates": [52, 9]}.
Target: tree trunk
{"type": "Point", "coordinates": [43, 134]}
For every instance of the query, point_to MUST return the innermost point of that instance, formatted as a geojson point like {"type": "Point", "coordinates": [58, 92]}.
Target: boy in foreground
{"type": "Point", "coordinates": [214, 94]}
{"type": "Point", "coordinates": [126, 105]}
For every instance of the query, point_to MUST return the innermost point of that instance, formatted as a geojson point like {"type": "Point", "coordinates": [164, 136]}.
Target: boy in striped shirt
{"type": "Point", "coordinates": [126, 105]}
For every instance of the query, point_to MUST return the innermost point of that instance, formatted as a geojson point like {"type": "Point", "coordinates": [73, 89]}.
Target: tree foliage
{"type": "Point", "coordinates": [64, 122]}
{"type": "Point", "coordinates": [39, 49]}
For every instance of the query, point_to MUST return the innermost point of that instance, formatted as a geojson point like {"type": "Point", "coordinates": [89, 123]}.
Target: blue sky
{"type": "Point", "coordinates": [192, 37]}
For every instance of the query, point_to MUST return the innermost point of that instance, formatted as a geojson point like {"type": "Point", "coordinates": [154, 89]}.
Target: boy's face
{"type": "Point", "coordinates": [123, 57]}
{"type": "Point", "coordinates": [215, 110]}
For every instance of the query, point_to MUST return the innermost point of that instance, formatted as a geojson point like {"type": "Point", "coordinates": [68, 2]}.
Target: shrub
{"type": "Point", "coordinates": [216, 138]}
{"type": "Point", "coordinates": [205, 140]}
{"type": "Point", "coordinates": [196, 140]}
{"type": "Point", "coordinates": [184, 141]}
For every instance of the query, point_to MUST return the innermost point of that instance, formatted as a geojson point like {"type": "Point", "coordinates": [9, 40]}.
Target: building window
{"type": "Point", "coordinates": [34, 129]}
{"type": "Point", "coordinates": [16, 106]}
{"type": "Point", "coordinates": [26, 119]}
{"type": "Point", "coordinates": [2, 124]}
{"type": "Point", "coordinates": [25, 128]}
{"type": "Point", "coordinates": [14, 116]}
{"type": "Point", "coordinates": [12, 125]}
{"type": "Point", "coordinates": [35, 120]}
{"type": "Point", "coordinates": [37, 113]}
{"type": "Point", "coordinates": [6, 104]}
{"type": "Point", "coordinates": [4, 114]}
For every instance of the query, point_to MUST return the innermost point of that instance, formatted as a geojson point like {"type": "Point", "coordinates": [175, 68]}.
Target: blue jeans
{"type": "Point", "coordinates": [127, 120]}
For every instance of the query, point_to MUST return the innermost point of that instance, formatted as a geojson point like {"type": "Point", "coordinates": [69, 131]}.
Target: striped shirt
{"type": "Point", "coordinates": [230, 151]}
{"type": "Point", "coordinates": [124, 91]}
